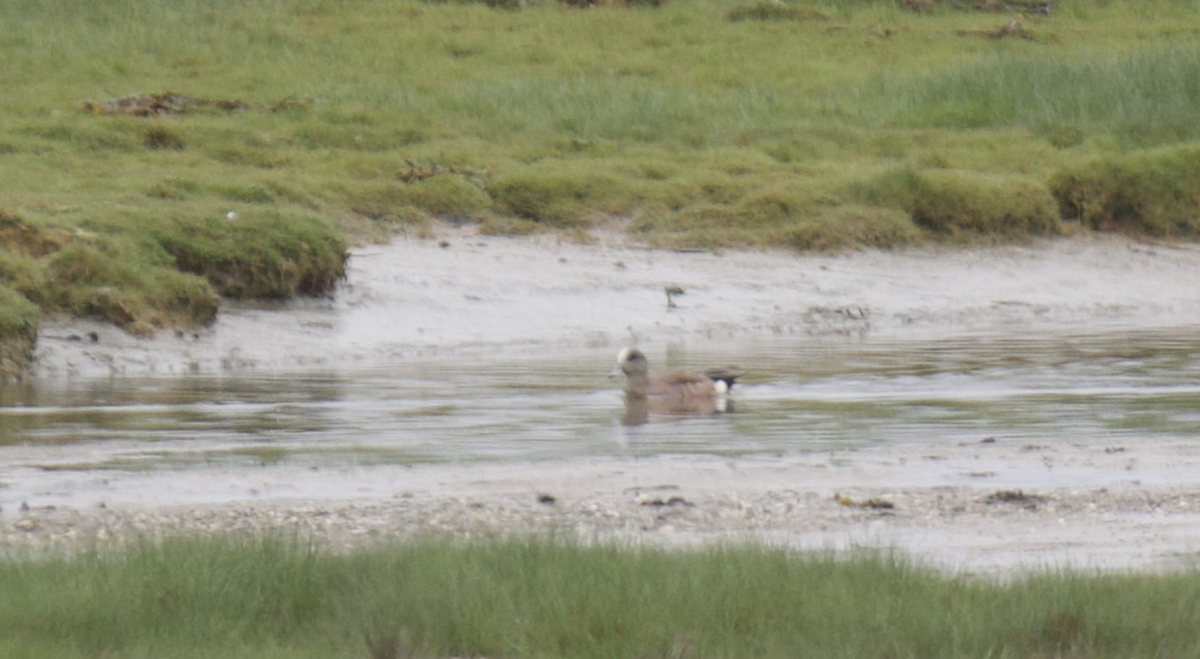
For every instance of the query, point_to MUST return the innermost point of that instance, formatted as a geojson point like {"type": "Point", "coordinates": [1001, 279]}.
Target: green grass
{"type": "Point", "coordinates": [1146, 96]}
{"type": "Point", "coordinates": [822, 124]}
{"type": "Point", "coordinates": [236, 597]}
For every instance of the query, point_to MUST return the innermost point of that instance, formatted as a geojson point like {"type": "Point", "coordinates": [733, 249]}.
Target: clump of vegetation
{"type": "Point", "coordinates": [143, 274]}
{"type": "Point", "coordinates": [256, 254]}
{"type": "Point", "coordinates": [162, 137]}
{"type": "Point", "coordinates": [414, 173]}
{"type": "Point", "coordinates": [853, 226]}
{"type": "Point", "coordinates": [1155, 193]}
{"type": "Point", "coordinates": [1061, 136]}
{"type": "Point", "coordinates": [128, 284]}
{"type": "Point", "coordinates": [18, 332]}
{"type": "Point", "coordinates": [955, 203]}
{"type": "Point", "coordinates": [558, 199]}
{"type": "Point", "coordinates": [794, 216]}
{"type": "Point", "coordinates": [22, 273]}
{"type": "Point", "coordinates": [450, 196]}
{"type": "Point", "coordinates": [20, 237]}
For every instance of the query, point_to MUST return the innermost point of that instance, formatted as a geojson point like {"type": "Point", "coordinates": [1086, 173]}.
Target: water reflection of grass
{"type": "Point", "coordinates": [430, 410]}
{"type": "Point", "coordinates": [275, 421]}
{"type": "Point", "coordinates": [239, 597]}
{"type": "Point", "coordinates": [1155, 422]}
{"type": "Point", "coordinates": [138, 463]}
{"type": "Point", "coordinates": [331, 456]}
{"type": "Point", "coordinates": [266, 455]}
{"type": "Point", "coordinates": [58, 425]}
{"type": "Point", "coordinates": [174, 460]}
{"type": "Point", "coordinates": [373, 455]}
{"type": "Point", "coordinates": [262, 455]}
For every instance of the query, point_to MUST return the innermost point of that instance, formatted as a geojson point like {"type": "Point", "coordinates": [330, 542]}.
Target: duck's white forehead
{"type": "Point", "coordinates": [623, 356]}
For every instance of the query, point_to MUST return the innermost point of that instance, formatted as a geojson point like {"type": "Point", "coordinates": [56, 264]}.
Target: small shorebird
{"type": "Point", "coordinates": [672, 392]}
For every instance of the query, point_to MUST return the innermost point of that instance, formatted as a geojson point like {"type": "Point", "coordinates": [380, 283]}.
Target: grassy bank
{"type": "Point", "coordinates": [228, 597]}
{"type": "Point", "coordinates": [822, 124]}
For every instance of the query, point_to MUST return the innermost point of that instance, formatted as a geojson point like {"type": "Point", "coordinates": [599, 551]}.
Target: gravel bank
{"type": "Point", "coordinates": [983, 508]}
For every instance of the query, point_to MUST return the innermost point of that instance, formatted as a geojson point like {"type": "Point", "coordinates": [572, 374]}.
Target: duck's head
{"type": "Point", "coordinates": [631, 362]}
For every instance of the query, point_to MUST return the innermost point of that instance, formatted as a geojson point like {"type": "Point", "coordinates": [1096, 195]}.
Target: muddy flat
{"type": "Point", "coordinates": [1097, 467]}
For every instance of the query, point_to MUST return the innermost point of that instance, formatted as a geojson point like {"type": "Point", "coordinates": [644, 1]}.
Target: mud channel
{"type": "Point", "coordinates": [988, 411]}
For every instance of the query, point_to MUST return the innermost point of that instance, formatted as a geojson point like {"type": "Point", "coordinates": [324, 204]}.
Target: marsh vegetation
{"type": "Point", "coordinates": [158, 155]}
{"type": "Point", "coordinates": [242, 597]}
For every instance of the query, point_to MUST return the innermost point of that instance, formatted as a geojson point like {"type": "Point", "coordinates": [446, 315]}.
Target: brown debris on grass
{"type": "Point", "coordinates": [157, 105]}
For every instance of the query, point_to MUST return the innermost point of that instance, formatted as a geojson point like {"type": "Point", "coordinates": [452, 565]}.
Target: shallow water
{"type": "Point", "coordinates": [799, 395]}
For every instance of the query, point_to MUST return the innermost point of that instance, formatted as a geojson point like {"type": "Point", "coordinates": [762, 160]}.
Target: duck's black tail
{"type": "Point", "coordinates": [728, 375]}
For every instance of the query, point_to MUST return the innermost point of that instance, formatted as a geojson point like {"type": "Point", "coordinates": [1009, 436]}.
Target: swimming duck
{"type": "Point", "coordinates": [672, 392]}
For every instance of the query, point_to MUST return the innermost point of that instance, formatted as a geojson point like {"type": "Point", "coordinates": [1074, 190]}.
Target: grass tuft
{"type": "Point", "coordinates": [19, 319]}
{"type": "Point", "coordinates": [853, 227]}
{"type": "Point", "coordinates": [122, 281]}
{"type": "Point", "coordinates": [558, 199]}
{"type": "Point", "coordinates": [955, 203]}
{"type": "Point", "coordinates": [451, 196]}
{"type": "Point", "coordinates": [259, 254]}
{"type": "Point", "coordinates": [162, 137]}
{"type": "Point", "coordinates": [109, 279]}
{"type": "Point", "coordinates": [1154, 193]}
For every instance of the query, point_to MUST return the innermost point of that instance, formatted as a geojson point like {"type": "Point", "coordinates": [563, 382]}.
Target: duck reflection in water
{"type": "Point", "coordinates": [672, 392]}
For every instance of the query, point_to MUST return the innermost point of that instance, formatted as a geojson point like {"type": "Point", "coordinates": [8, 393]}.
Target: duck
{"type": "Point", "coordinates": [672, 392]}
